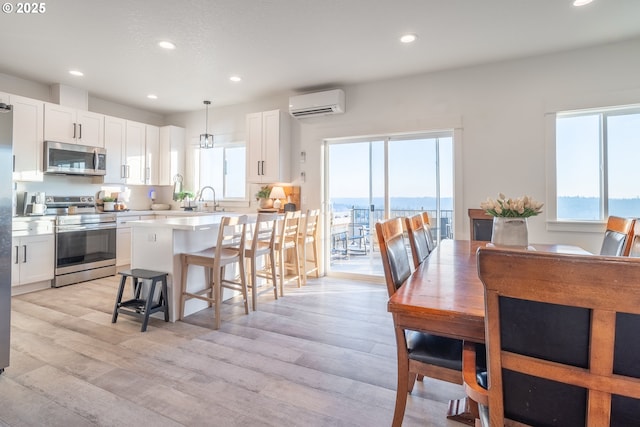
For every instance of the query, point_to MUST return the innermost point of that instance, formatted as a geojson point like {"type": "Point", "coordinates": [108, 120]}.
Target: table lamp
{"type": "Point", "coordinates": [276, 194]}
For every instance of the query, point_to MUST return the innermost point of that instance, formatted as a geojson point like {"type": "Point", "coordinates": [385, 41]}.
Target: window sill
{"type": "Point", "coordinates": [577, 226]}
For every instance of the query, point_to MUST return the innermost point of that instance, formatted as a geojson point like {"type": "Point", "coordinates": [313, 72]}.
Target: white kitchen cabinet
{"type": "Point", "coordinates": [135, 157]}
{"type": "Point", "coordinates": [64, 124]}
{"type": "Point", "coordinates": [172, 154]}
{"type": "Point", "coordinates": [33, 259]}
{"type": "Point", "coordinates": [27, 138]}
{"type": "Point", "coordinates": [115, 131]}
{"type": "Point", "coordinates": [123, 240]}
{"type": "Point", "coordinates": [268, 146]}
{"type": "Point", "coordinates": [4, 98]}
{"type": "Point", "coordinates": [152, 151]}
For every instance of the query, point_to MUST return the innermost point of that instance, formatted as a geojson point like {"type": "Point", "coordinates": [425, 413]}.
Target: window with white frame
{"type": "Point", "coordinates": [597, 173]}
{"type": "Point", "coordinates": [224, 169]}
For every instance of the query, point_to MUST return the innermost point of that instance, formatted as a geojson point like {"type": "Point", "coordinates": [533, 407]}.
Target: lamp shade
{"type": "Point", "coordinates": [277, 193]}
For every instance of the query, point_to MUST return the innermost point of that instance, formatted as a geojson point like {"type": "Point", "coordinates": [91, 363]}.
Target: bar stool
{"type": "Point", "coordinates": [229, 249]}
{"type": "Point", "coordinates": [286, 240]}
{"type": "Point", "coordinates": [138, 306]}
{"type": "Point", "coordinates": [309, 236]}
{"type": "Point", "coordinates": [262, 245]}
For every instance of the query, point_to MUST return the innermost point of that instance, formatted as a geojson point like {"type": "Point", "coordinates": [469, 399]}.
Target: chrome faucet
{"type": "Point", "coordinates": [200, 198]}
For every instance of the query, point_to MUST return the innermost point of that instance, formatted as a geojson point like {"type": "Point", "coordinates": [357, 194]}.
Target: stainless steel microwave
{"type": "Point", "coordinates": [74, 159]}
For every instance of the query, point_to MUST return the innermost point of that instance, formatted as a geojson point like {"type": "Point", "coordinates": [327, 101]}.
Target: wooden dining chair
{"type": "Point", "coordinates": [562, 348]}
{"type": "Point", "coordinates": [308, 236]}
{"type": "Point", "coordinates": [617, 237]}
{"type": "Point", "coordinates": [262, 245]}
{"type": "Point", "coordinates": [634, 249]}
{"type": "Point", "coordinates": [417, 239]}
{"type": "Point", "coordinates": [427, 229]}
{"type": "Point", "coordinates": [480, 225]}
{"type": "Point", "coordinates": [228, 250]}
{"type": "Point", "coordinates": [419, 353]}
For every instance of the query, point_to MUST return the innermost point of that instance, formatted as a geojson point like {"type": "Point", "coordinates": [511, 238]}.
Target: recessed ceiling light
{"type": "Point", "coordinates": [235, 78]}
{"type": "Point", "coordinates": [152, 96]}
{"type": "Point", "coordinates": [408, 38]}
{"type": "Point", "coordinates": [76, 73]}
{"type": "Point", "coordinates": [167, 45]}
{"type": "Point", "coordinates": [581, 2]}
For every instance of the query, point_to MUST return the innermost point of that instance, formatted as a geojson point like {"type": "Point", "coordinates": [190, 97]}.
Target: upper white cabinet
{"type": "Point", "coordinates": [115, 131]}
{"type": "Point", "coordinates": [27, 138]}
{"type": "Point", "coordinates": [135, 156]}
{"type": "Point", "coordinates": [152, 151]}
{"type": "Point", "coordinates": [64, 124]}
{"type": "Point", "coordinates": [172, 154]}
{"type": "Point", "coordinates": [268, 146]}
{"type": "Point", "coordinates": [4, 98]}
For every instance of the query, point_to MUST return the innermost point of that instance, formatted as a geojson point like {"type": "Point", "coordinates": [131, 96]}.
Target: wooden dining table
{"type": "Point", "coordinates": [444, 296]}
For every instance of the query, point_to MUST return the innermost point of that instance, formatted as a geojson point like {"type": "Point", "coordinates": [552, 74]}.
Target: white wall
{"type": "Point", "coordinates": [501, 108]}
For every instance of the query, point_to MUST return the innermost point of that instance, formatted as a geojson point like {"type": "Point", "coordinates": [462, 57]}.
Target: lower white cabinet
{"type": "Point", "coordinates": [123, 240]}
{"type": "Point", "coordinates": [32, 259]}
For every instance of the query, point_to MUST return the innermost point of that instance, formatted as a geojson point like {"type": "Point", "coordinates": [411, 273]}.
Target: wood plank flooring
{"type": "Point", "coordinates": [323, 355]}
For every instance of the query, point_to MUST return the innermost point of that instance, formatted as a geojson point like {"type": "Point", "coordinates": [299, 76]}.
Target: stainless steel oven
{"type": "Point", "coordinates": [85, 244]}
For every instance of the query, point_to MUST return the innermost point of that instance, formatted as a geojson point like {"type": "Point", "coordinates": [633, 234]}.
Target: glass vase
{"type": "Point", "coordinates": [510, 232]}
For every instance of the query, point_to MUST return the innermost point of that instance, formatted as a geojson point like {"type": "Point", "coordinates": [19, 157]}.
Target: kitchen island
{"type": "Point", "coordinates": [156, 244]}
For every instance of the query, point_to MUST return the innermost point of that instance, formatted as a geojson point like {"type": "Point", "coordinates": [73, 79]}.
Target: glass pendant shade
{"type": "Point", "coordinates": [206, 139]}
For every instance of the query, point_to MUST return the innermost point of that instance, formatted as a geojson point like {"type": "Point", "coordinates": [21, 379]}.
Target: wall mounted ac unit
{"type": "Point", "coordinates": [317, 104]}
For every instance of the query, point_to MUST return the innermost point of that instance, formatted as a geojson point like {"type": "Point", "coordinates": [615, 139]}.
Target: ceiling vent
{"type": "Point", "coordinates": [317, 104]}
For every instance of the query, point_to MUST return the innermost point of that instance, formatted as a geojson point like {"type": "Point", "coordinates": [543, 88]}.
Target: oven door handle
{"type": "Point", "coordinates": [85, 227]}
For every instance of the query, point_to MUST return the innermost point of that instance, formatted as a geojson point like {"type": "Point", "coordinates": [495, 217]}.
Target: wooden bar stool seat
{"type": "Point", "coordinates": [140, 305]}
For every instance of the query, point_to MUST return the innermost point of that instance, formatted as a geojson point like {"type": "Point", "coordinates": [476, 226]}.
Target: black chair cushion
{"type": "Point", "coordinates": [435, 350]}
{"type": "Point", "coordinates": [613, 243]}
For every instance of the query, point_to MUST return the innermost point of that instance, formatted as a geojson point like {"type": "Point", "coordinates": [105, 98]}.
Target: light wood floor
{"type": "Point", "coordinates": [323, 355]}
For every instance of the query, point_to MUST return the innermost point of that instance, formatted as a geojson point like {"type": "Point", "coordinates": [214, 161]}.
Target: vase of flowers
{"type": "Point", "coordinates": [510, 219]}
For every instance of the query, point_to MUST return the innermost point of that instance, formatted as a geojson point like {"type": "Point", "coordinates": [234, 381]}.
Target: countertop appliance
{"type": "Point", "coordinates": [85, 241]}
{"type": "Point", "coordinates": [6, 190]}
{"type": "Point", "coordinates": [74, 159]}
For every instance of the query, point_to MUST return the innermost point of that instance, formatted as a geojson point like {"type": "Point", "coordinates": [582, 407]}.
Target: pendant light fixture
{"type": "Point", "coordinates": [206, 139]}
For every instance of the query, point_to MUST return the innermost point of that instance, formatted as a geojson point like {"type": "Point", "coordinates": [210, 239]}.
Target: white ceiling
{"type": "Point", "coordinates": [284, 45]}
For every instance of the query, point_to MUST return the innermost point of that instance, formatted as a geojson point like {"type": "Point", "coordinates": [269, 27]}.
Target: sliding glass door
{"type": "Point", "coordinates": [368, 180]}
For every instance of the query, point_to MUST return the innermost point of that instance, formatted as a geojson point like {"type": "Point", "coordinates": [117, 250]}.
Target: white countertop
{"type": "Point", "coordinates": [203, 221]}
{"type": "Point", "coordinates": [171, 212]}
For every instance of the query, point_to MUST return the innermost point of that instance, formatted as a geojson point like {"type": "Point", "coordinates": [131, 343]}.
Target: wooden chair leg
{"type": "Point", "coordinates": [296, 262]}
{"type": "Point", "coordinates": [272, 270]}
{"type": "Point", "coordinates": [217, 290]}
{"type": "Point", "coordinates": [183, 285]}
{"type": "Point", "coordinates": [254, 279]}
{"type": "Point", "coordinates": [401, 391]}
{"type": "Point", "coordinates": [315, 258]}
{"type": "Point", "coordinates": [282, 270]}
{"type": "Point", "coordinates": [243, 284]}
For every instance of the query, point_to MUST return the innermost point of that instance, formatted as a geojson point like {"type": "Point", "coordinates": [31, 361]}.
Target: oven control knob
{"type": "Point", "coordinates": [90, 199]}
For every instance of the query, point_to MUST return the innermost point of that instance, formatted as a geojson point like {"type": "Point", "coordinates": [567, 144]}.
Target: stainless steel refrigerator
{"type": "Point", "coordinates": [6, 216]}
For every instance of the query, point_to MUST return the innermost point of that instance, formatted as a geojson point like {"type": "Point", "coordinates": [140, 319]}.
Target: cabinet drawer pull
{"type": "Point", "coordinates": [24, 259]}
{"type": "Point", "coordinates": [80, 126]}
{"type": "Point", "coordinates": [74, 131]}
{"type": "Point", "coordinates": [17, 255]}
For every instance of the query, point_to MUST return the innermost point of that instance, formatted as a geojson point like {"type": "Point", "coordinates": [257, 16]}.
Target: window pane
{"type": "Point", "coordinates": [578, 167]}
{"type": "Point", "coordinates": [235, 172]}
{"type": "Point", "coordinates": [623, 148]}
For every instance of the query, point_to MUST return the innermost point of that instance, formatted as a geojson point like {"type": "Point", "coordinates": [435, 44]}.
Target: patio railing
{"type": "Point", "coordinates": [350, 231]}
